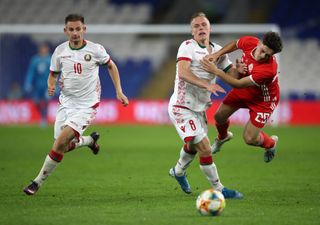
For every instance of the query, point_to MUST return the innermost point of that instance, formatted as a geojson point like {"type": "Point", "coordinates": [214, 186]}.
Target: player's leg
{"type": "Point", "coordinates": [201, 143]}
{"type": "Point", "coordinates": [207, 165]}
{"type": "Point", "coordinates": [181, 118]}
{"type": "Point", "coordinates": [187, 155]}
{"type": "Point", "coordinates": [41, 101]}
{"type": "Point", "coordinates": [91, 141]}
{"type": "Point", "coordinates": [69, 125]}
{"type": "Point", "coordinates": [60, 146]}
{"type": "Point", "coordinates": [209, 168]}
{"type": "Point", "coordinates": [253, 135]}
{"type": "Point", "coordinates": [43, 107]}
{"type": "Point", "coordinates": [222, 124]}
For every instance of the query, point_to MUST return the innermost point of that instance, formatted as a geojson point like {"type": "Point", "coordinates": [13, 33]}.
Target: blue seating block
{"type": "Point", "coordinates": [134, 75]}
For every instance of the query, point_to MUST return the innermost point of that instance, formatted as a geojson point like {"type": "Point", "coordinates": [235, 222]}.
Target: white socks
{"type": "Point", "coordinates": [83, 141]}
{"type": "Point", "coordinates": [210, 170]}
{"type": "Point", "coordinates": [183, 162]}
{"type": "Point", "coordinates": [212, 175]}
{"type": "Point", "coordinates": [48, 167]}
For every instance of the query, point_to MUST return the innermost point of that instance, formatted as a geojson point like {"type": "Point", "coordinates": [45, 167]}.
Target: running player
{"type": "Point", "coordinates": [77, 60]}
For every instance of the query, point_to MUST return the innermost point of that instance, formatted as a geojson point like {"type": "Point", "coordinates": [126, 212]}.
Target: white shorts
{"type": "Point", "coordinates": [189, 124]}
{"type": "Point", "coordinates": [77, 119]}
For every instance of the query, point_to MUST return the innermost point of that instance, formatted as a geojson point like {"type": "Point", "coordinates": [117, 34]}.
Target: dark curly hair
{"type": "Point", "coordinates": [273, 41]}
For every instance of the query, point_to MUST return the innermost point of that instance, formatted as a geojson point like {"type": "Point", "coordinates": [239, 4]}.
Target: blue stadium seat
{"type": "Point", "coordinates": [134, 75]}
{"type": "Point", "coordinates": [310, 96]}
{"type": "Point", "coordinates": [293, 96]}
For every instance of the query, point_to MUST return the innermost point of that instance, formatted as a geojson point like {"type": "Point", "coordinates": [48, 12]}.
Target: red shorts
{"type": "Point", "coordinates": [259, 110]}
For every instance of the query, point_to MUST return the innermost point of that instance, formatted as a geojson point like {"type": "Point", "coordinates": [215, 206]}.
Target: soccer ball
{"type": "Point", "coordinates": [211, 202]}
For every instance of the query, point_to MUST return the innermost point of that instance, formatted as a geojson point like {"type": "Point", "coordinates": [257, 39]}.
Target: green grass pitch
{"type": "Point", "coordinates": [128, 182]}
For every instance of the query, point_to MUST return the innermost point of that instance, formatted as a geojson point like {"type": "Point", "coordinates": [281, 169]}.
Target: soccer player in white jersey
{"type": "Point", "coordinates": [77, 60]}
{"type": "Point", "coordinates": [189, 102]}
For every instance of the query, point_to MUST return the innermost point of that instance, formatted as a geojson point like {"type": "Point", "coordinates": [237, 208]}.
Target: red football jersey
{"type": "Point", "coordinates": [263, 74]}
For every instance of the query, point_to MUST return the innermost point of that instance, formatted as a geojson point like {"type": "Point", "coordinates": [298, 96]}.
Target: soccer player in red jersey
{"type": "Point", "coordinates": [256, 88]}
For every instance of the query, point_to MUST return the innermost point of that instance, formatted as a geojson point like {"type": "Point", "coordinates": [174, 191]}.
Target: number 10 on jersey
{"type": "Point", "coordinates": [77, 67]}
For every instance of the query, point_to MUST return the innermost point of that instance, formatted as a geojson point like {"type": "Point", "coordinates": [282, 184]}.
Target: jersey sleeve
{"type": "Point", "coordinates": [185, 51]}
{"type": "Point", "coordinates": [247, 43]}
{"type": "Point", "coordinates": [102, 56]}
{"type": "Point", "coordinates": [55, 62]}
{"type": "Point", "coordinates": [224, 63]}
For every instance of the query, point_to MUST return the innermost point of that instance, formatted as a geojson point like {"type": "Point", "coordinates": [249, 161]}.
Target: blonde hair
{"type": "Point", "coordinates": [198, 14]}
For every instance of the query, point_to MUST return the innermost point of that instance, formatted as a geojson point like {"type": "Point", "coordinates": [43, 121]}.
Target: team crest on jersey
{"type": "Point", "coordinates": [87, 57]}
{"type": "Point", "coordinates": [250, 67]}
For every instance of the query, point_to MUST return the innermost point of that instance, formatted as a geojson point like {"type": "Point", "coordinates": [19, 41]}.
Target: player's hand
{"type": "Point", "coordinates": [51, 90]}
{"type": "Point", "coordinates": [123, 99]}
{"type": "Point", "coordinates": [212, 57]}
{"type": "Point", "coordinates": [241, 67]}
{"type": "Point", "coordinates": [214, 88]}
{"type": "Point", "coordinates": [208, 65]}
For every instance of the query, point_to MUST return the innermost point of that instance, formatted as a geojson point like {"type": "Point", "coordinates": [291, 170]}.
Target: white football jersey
{"type": "Point", "coordinates": [79, 80]}
{"type": "Point", "coordinates": [189, 95]}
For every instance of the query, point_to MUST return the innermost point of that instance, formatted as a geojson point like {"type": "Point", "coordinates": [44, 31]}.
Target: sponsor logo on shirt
{"type": "Point", "coordinates": [183, 128]}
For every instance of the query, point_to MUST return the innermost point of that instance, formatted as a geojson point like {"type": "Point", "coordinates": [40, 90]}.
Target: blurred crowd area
{"type": "Point", "coordinates": [147, 62]}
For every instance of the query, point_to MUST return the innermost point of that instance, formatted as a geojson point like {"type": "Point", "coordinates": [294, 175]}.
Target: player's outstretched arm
{"type": "Point", "coordinates": [236, 83]}
{"type": "Point", "coordinates": [114, 74]}
{"type": "Point", "coordinates": [230, 47]}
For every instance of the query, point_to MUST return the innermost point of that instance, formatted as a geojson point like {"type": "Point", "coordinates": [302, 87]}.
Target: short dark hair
{"type": "Point", "coordinates": [73, 18]}
{"type": "Point", "coordinates": [198, 14]}
{"type": "Point", "coordinates": [273, 41]}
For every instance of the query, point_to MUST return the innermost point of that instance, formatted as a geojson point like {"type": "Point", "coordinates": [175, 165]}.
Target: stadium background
{"type": "Point", "coordinates": [147, 61]}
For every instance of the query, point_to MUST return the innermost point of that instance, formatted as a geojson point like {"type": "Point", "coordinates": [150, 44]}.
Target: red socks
{"type": "Point", "coordinates": [55, 156]}
{"type": "Point", "coordinates": [266, 141]}
{"type": "Point", "coordinates": [206, 160]}
{"type": "Point", "coordinates": [223, 129]}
